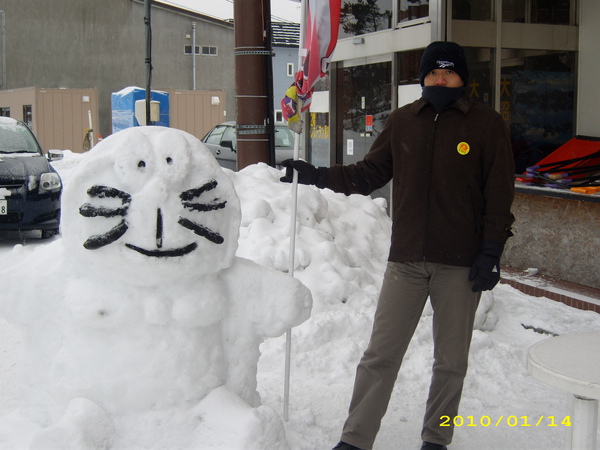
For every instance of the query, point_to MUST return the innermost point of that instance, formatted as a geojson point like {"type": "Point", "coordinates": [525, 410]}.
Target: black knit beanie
{"type": "Point", "coordinates": [444, 55]}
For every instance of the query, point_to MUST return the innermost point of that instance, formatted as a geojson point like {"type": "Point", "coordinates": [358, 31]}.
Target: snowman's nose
{"type": "Point", "coordinates": [159, 228]}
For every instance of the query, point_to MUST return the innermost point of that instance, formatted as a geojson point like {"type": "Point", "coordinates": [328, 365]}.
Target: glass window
{"type": "Point", "coordinates": [214, 137]}
{"type": "Point", "coordinates": [284, 137]}
{"type": "Point", "coordinates": [229, 135]}
{"type": "Point", "coordinates": [552, 12]}
{"type": "Point", "coordinates": [412, 9]}
{"type": "Point", "coordinates": [363, 91]}
{"type": "Point", "coordinates": [16, 138]}
{"type": "Point", "coordinates": [187, 49]}
{"type": "Point", "coordinates": [365, 16]}
{"type": "Point", "coordinates": [480, 86]}
{"type": "Point", "coordinates": [319, 138]}
{"type": "Point", "coordinates": [208, 50]}
{"type": "Point", "coordinates": [514, 11]}
{"type": "Point", "coordinates": [28, 115]}
{"type": "Point", "coordinates": [408, 67]}
{"type": "Point", "coordinates": [472, 10]}
{"type": "Point", "coordinates": [537, 102]}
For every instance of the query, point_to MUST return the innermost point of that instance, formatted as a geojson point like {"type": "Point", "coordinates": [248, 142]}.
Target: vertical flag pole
{"type": "Point", "coordinates": [288, 334]}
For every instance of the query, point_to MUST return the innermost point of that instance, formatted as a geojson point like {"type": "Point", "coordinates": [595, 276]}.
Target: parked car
{"type": "Point", "coordinates": [221, 141]}
{"type": "Point", "coordinates": [30, 188]}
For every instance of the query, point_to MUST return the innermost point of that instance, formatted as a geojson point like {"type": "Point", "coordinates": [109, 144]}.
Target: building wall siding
{"type": "Point", "coordinates": [87, 44]}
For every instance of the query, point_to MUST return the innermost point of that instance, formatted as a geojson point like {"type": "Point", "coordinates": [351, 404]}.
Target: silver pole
{"type": "Point", "coordinates": [288, 334]}
{"type": "Point", "coordinates": [3, 51]}
{"type": "Point", "coordinates": [194, 56]}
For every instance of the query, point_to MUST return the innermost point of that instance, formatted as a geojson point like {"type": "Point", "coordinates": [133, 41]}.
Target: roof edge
{"type": "Point", "coordinates": [187, 12]}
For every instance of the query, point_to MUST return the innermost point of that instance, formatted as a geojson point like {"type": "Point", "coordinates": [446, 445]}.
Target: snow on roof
{"type": "Point", "coordinates": [285, 34]}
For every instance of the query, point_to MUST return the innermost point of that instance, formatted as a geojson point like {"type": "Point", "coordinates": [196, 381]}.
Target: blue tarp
{"type": "Point", "coordinates": [123, 107]}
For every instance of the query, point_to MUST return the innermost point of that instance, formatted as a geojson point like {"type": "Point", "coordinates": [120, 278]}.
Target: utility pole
{"type": "Point", "coordinates": [147, 22]}
{"type": "Point", "coordinates": [251, 50]}
{"type": "Point", "coordinates": [3, 50]}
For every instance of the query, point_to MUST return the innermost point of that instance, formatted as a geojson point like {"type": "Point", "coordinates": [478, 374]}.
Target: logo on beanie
{"type": "Point", "coordinates": [444, 64]}
{"type": "Point", "coordinates": [463, 148]}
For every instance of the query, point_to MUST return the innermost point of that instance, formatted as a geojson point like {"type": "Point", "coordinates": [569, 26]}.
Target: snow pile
{"type": "Point", "coordinates": [158, 322]}
{"type": "Point", "coordinates": [342, 245]}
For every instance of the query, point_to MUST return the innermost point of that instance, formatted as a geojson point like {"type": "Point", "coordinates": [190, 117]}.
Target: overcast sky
{"type": "Point", "coordinates": [284, 10]}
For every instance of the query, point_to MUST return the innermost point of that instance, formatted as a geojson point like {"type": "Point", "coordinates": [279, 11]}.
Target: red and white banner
{"type": "Point", "coordinates": [321, 33]}
{"type": "Point", "coordinates": [321, 26]}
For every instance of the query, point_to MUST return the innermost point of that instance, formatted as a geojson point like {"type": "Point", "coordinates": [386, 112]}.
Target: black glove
{"type": "Point", "coordinates": [486, 268]}
{"type": "Point", "coordinates": [307, 173]}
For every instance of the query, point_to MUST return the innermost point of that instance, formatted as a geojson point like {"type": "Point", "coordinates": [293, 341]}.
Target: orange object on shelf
{"type": "Point", "coordinates": [586, 189]}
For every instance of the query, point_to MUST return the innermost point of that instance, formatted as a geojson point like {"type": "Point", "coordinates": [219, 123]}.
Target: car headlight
{"type": "Point", "coordinates": [50, 181]}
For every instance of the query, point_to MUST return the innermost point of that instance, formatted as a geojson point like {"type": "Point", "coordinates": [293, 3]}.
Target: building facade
{"type": "Point", "coordinates": [533, 61]}
{"type": "Point", "coordinates": [81, 44]}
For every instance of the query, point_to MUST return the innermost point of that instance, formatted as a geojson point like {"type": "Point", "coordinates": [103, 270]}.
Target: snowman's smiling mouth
{"type": "Point", "coordinates": [164, 253]}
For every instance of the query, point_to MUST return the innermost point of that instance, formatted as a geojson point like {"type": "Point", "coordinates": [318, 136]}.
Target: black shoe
{"type": "Point", "coordinates": [343, 446]}
{"type": "Point", "coordinates": [432, 446]}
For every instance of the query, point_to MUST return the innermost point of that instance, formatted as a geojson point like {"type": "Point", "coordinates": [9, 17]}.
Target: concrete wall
{"type": "Point", "coordinates": [558, 236]}
{"type": "Point", "coordinates": [88, 43]}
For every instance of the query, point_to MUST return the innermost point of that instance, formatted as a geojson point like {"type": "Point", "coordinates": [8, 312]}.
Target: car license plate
{"type": "Point", "coordinates": [3, 207]}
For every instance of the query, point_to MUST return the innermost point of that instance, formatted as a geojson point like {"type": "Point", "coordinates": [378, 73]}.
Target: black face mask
{"type": "Point", "coordinates": [441, 96]}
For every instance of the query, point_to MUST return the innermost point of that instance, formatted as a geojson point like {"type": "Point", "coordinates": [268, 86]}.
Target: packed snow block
{"type": "Point", "coordinates": [158, 320]}
{"type": "Point", "coordinates": [123, 106]}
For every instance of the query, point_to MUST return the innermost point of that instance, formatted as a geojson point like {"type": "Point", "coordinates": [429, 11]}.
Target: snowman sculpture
{"type": "Point", "coordinates": [154, 312]}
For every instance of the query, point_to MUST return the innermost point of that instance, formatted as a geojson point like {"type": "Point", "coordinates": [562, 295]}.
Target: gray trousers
{"type": "Point", "coordinates": [406, 287]}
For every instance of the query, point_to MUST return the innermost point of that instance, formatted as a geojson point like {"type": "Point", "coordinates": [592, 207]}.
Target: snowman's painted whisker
{"type": "Point", "coordinates": [203, 207]}
{"type": "Point", "coordinates": [109, 237]}
{"type": "Point", "coordinates": [89, 210]}
{"type": "Point", "coordinates": [189, 195]}
{"type": "Point", "coordinates": [197, 192]}
{"type": "Point", "coordinates": [109, 192]}
{"type": "Point", "coordinates": [201, 230]}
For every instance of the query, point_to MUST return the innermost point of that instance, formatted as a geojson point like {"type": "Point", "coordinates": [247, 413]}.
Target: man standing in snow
{"type": "Point", "coordinates": [452, 172]}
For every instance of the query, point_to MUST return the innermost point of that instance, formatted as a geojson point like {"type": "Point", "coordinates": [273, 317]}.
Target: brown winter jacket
{"type": "Point", "coordinates": [453, 180]}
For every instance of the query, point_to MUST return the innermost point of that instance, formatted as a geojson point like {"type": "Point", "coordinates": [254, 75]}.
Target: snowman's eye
{"type": "Point", "coordinates": [169, 161]}
{"type": "Point", "coordinates": [141, 165]}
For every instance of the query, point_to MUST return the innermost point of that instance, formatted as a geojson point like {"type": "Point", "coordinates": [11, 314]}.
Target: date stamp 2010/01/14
{"type": "Point", "coordinates": [511, 421]}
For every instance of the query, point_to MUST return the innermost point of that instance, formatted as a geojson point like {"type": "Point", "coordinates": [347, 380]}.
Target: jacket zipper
{"type": "Point", "coordinates": [428, 206]}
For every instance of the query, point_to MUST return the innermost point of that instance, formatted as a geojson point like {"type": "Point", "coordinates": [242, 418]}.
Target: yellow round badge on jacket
{"type": "Point", "coordinates": [463, 148]}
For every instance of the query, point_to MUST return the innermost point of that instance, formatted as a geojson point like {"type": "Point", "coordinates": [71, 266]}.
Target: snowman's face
{"type": "Point", "coordinates": [151, 200]}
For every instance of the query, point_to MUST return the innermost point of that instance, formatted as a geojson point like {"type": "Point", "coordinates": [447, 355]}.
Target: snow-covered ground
{"type": "Point", "coordinates": [341, 251]}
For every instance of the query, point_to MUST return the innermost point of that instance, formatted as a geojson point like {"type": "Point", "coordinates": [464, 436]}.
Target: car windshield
{"type": "Point", "coordinates": [16, 138]}
{"type": "Point", "coordinates": [284, 137]}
